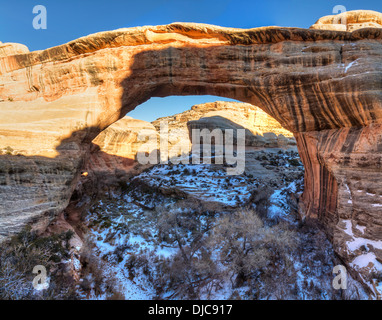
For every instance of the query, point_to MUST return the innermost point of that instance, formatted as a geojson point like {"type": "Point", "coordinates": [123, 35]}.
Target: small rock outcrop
{"type": "Point", "coordinates": [350, 21]}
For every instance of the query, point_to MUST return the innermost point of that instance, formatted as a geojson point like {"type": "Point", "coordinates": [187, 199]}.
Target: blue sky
{"type": "Point", "coordinates": [71, 19]}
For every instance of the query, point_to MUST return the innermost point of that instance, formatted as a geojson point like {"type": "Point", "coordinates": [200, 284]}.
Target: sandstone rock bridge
{"type": "Point", "coordinates": [324, 84]}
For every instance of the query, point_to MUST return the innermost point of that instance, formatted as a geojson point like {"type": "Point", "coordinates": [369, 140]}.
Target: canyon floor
{"type": "Point", "coordinates": [190, 231]}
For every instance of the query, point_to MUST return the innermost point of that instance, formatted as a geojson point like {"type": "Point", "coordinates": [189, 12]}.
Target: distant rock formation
{"type": "Point", "coordinates": [350, 21]}
{"type": "Point", "coordinates": [121, 139]}
{"type": "Point", "coordinates": [263, 130]}
{"type": "Point", "coordinates": [114, 150]}
{"type": "Point", "coordinates": [116, 147]}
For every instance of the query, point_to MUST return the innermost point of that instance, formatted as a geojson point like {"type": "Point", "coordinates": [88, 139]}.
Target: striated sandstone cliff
{"type": "Point", "coordinates": [122, 139]}
{"type": "Point", "coordinates": [116, 148]}
{"type": "Point", "coordinates": [325, 86]}
{"type": "Point", "coordinates": [263, 130]}
{"type": "Point", "coordinates": [113, 152]}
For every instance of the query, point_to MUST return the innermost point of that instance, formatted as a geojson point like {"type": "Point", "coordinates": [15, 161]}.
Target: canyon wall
{"type": "Point", "coordinates": [322, 84]}
{"type": "Point", "coordinates": [114, 151]}
{"type": "Point", "coordinates": [122, 141]}
{"type": "Point", "coordinates": [263, 130]}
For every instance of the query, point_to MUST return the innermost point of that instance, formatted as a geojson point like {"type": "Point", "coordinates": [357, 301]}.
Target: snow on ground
{"type": "Point", "coordinates": [280, 207]}
{"type": "Point", "coordinates": [122, 223]}
{"type": "Point", "coordinates": [114, 225]}
{"type": "Point", "coordinates": [350, 65]}
{"type": "Point", "coordinates": [126, 226]}
{"type": "Point", "coordinates": [360, 247]}
{"type": "Point", "coordinates": [201, 181]}
{"type": "Point", "coordinates": [358, 242]}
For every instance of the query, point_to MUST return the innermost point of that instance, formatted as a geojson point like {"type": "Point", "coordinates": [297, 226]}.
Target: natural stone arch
{"type": "Point", "coordinates": [325, 86]}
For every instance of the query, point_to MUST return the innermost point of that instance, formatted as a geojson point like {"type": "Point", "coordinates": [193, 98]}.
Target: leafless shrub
{"type": "Point", "coordinates": [187, 278]}
{"type": "Point", "coordinates": [261, 198]}
{"type": "Point", "coordinates": [21, 254]}
{"type": "Point", "coordinates": [93, 276]}
{"type": "Point", "coordinates": [251, 250]}
{"type": "Point", "coordinates": [192, 269]}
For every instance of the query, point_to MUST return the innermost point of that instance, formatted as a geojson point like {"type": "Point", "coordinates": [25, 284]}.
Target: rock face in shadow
{"type": "Point", "coordinates": [325, 86]}
{"type": "Point", "coordinates": [113, 152]}
{"type": "Point", "coordinates": [125, 137]}
{"type": "Point", "coordinates": [33, 189]}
